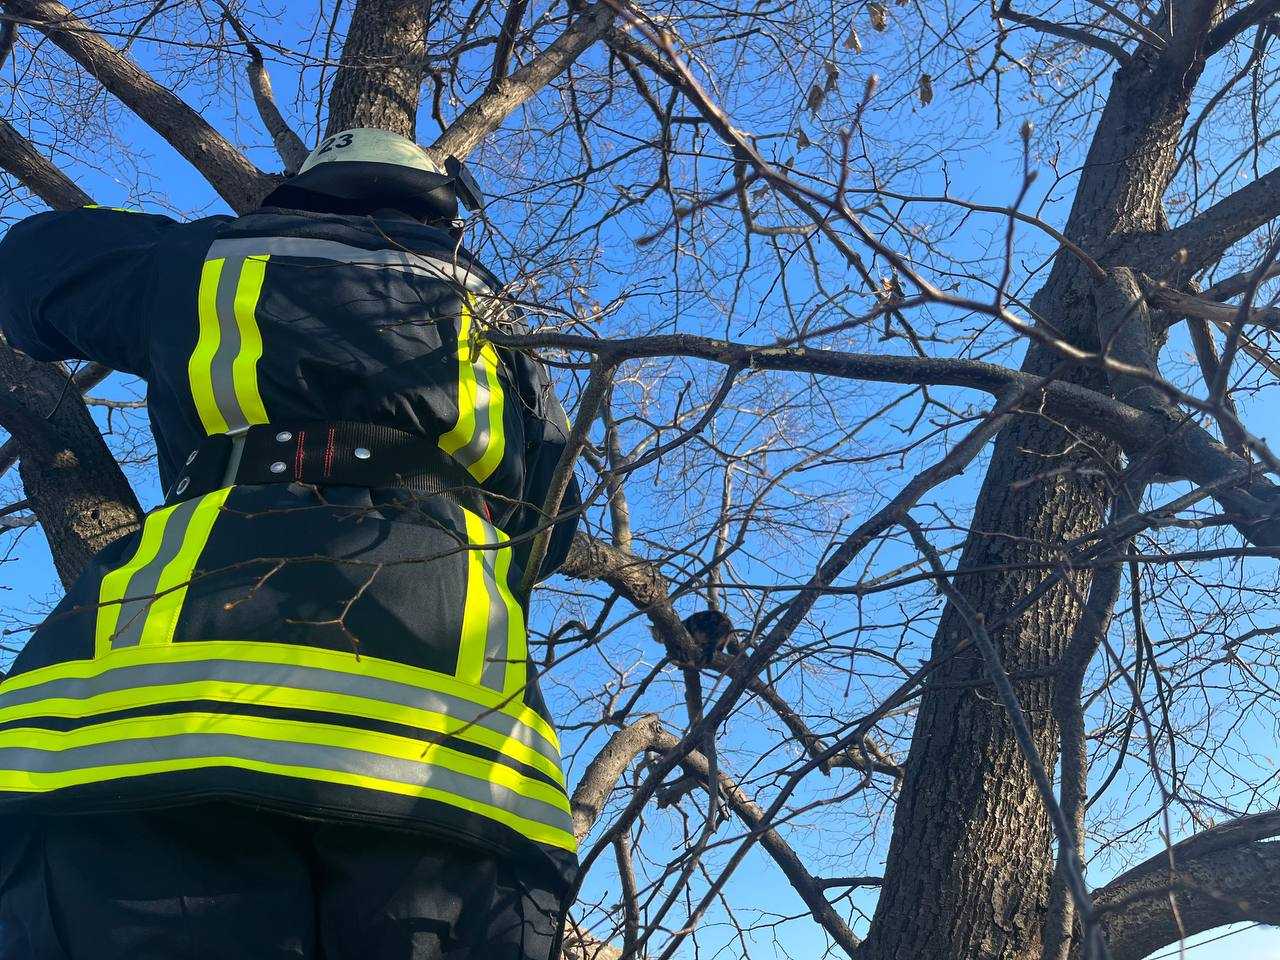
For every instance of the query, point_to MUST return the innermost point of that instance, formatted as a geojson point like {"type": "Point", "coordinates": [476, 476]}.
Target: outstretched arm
{"type": "Point", "coordinates": [77, 284]}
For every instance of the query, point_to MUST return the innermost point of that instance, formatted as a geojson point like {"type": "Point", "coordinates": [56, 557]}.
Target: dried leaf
{"type": "Point", "coordinates": [802, 139]}
{"type": "Point", "coordinates": [926, 89]}
{"type": "Point", "coordinates": [833, 76]}
{"type": "Point", "coordinates": [853, 41]}
{"type": "Point", "coordinates": [879, 14]}
{"type": "Point", "coordinates": [816, 96]}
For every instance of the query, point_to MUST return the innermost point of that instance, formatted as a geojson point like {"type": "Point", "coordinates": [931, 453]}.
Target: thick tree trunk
{"type": "Point", "coordinates": [970, 857]}
{"type": "Point", "coordinates": [76, 489]}
{"type": "Point", "coordinates": [379, 82]}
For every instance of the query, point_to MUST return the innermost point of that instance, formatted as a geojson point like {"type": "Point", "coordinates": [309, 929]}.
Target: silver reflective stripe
{"type": "Point", "coordinates": [280, 675]}
{"type": "Point", "coordinates": [402, 260]}
{"type": "Point", "coordinates": [475, 448]}
{"type": "Point", "coordinates": [141, 591]}
{"type": "Point", "coordinates": [215, 746]}
{"type": "Point", "coordinates": [220, 373]}
{"type": "Point", "coordinates": [496, 652]}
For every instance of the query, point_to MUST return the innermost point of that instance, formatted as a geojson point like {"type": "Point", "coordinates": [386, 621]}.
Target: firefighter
{"type": "Point", "coordinates": [294, 715]}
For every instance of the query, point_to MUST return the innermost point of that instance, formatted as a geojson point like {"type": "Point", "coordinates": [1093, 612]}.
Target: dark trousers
{"type": "Point", "coordinates": [223, 882]}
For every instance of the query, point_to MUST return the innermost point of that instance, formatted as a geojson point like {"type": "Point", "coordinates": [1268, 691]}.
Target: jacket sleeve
{"type": "Point", "coordinates": [546, 434]}
{"type": "Point", "coordinates": [80, 284]}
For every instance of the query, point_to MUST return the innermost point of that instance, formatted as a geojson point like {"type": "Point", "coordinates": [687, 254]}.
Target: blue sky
{"type": "Point", "coordinates": [989, 175]}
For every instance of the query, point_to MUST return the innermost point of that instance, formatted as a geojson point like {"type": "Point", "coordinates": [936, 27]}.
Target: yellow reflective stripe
{"type": "Point", "coordinates": [19, 782]}
{"type": "Point", "coordinates": [245, 366]}
{"type": "Point", "coordinates": [492, 649]}
{"type": "Point", "coordinates": [99, 206]}
{"type": "Point", "coordinates": [288, 731]}
{"type": "Point", "coordinates": [462, 431]}
{"type": "Point", "coordinates": [200, 365]}
{"type": "Point", "coordinates": [475, 613]}
{"type": "Point", "coordinates": [483, 468]}
{"type": "Point", "coordinates": [111, 591]}
{"type": "Point", "coordinates": [285, 654]}
{"type": "Point", "coordinates": [285, 731]}
{"type": "Point", "coordinates": [517, 641]}
{"type": "Point", "coordinates": [171, 591]}
{"type": "Point", "coordinates": [223, 367]}
{"type": "Point", "coordinates": [477, 440]}
{"type": "Point", "coordinates": [228, 691]}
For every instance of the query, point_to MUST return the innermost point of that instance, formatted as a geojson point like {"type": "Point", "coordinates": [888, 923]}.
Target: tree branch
{"type": "Point", "coordinates": [643, 585]}
{"type": "Point", "coordinates": [1223, 875]}
{"type": "Point", "coordinates": [1208, 235]}
{"type": "Point", "coordinates": [238, 181]}
{"type": "Point", "coordinates": [493, 107]}
{"type": "Point", "coordinates": [809, 888]}
{"type": "Point", "coordinates": [288, 144]}
{"type": "Point", "coordinates": [1238, 23]}
{"type": "Point", "coordinates": [602, 774]}
{"type": "Point", "coordinates": [1164, 297]}
{"type": "Point", "coordinates": [1074, 34]}
{"type": "Point", "coordinates": [8, 38]}
{"type": "Point", "coordinates": [1207, 357]}
{"type": "Point", "coordinates": [1183, 448]}
{"type": "Point", "coordinates": [647, 733]}
{"type": "Point", "coordinates": [506, 42]}
{"type": "Point", "coordinates": [84, 379]}
{"type": "Point", "coordinates": [20, 158]}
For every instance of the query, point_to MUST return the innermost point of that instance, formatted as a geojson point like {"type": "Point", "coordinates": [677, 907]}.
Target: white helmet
{"type": "Point", "coordinates": [367, 145]}
{"type": "Point", "coordinates": [366, 166]}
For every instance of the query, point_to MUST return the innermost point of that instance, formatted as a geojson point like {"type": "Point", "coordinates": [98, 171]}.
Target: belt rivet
{"type": "Point", "coordinates": [278, 467]}
{"type": "Point", "coordinates": [284, 436]}
{"type": "Point", "coordinates": [362, 453]}
{"type": "Point", "coordinates": [182, 485]}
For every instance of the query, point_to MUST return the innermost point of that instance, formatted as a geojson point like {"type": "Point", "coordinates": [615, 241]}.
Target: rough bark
{"type": "Point", "coordinates": [1223, 875]}
{"type": "Point", "coordinates": [20, 158]}
{"type": "Point", "coordinates": [968, 789]}
{"type": "Point", "coordinates": [239, 182]}
{"type": "Point", "coordinates": [379, 81]}
{"type": "Point", "coordinates": [76, 489]}
{"type": "Point", "coordinates": [1228, 886]}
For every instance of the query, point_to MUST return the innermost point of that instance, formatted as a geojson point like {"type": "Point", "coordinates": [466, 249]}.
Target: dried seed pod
{"type": "Point", "coordinates": [816, 95]}
{"type": "Point", "coordinates": [926, 89]}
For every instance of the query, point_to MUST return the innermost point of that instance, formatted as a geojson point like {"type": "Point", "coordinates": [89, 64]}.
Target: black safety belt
{"type": "Point", "coordinates": [335, 453]}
